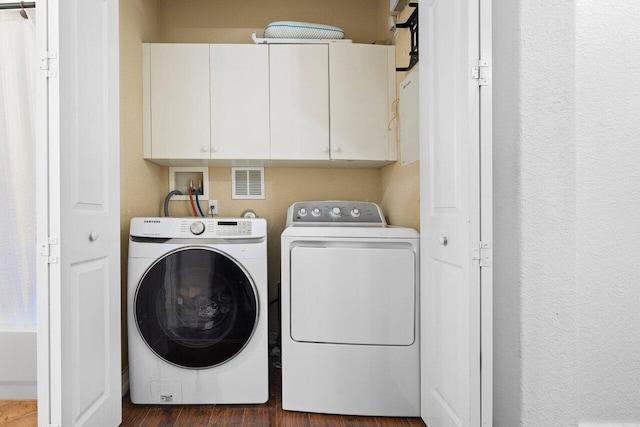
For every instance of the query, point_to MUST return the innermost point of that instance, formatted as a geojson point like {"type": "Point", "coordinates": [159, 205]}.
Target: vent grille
{"type": "Point", "coordinates": [247, 183]}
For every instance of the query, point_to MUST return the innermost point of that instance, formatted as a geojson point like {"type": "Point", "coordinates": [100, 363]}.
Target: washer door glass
{"type": "Point", "coordinates": [196, 307]}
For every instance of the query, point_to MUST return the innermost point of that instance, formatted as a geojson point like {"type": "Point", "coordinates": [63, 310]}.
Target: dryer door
{"type": "Point", "coordinates": [353, 295]}
{"type": "Point", "coordinates": [196, 307]}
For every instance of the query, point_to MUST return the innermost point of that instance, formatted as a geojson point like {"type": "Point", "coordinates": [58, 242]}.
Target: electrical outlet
{"type": "Point", "coordinates": [213, 208]}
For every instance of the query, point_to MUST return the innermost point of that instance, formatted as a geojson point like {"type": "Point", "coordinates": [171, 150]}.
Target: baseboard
{"type": "Point", "coordinates": [18, 363]}
{"type": "Point", "coordinates": [125, 381]}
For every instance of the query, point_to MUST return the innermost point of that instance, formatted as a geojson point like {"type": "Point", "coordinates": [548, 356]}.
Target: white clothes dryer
{"type": "Point", "coordinates": [349, 312]}
{"type": "Point", "coordinates": [197, 311]}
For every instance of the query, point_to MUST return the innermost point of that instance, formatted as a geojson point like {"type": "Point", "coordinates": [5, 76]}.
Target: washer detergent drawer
{"type": "Point", "coordinates": [345, 295]}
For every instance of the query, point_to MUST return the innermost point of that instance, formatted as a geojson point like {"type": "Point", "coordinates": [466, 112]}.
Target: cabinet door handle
{"type": "Point", "coordinates": [325, 150]}
{"type": "Point", "coordinates": [336, 149]}
{"type": "Point", "coordinates": [205, 149]}
{"type": "Point", "coordinates": [215, 149]}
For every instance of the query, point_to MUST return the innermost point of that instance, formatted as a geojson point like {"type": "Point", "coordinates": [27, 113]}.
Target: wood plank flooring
{"type": "Point", "coordinates": [267, 415]}
{"type": "Point", "coordinates": [18, 413]}
{"type": "Point", "coordinates": [23, 413]}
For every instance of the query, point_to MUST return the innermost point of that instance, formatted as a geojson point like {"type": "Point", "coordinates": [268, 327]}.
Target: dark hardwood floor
{"type": "Point", "coordinates": [23, 413]}
{"type": "Point", "coordinates": [268, 414]}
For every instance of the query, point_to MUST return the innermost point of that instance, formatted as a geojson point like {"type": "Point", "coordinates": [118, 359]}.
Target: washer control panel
{"type": "Point", "coordinates": [335, 213]}
{"type": "Point", "coordinates": [216, 228]}
{"type": "Point", "coordinates": [198, 228]}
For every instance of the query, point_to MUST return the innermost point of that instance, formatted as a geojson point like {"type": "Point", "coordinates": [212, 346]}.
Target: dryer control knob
{"type": "Point", "coordinates": [315, 212]}
{"type": "Point", "coordinates": [355, 213]}
{"type": "Point", "coordinates": [197, 228]}
{"type": "Point", "coordinates": [335, 212]}
{"type": "Point", "coordinates": [302, 212]}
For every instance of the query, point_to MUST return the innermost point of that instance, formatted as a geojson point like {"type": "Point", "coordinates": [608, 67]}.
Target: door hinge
{"type": "Point", "coordinates": [481, 254]}
{"type": "Point", "coordinates": [44, 64]}
{"type": "Point", "coordinates": [45, 250]}
{"type": "Point", "coordinates": [481, 73]}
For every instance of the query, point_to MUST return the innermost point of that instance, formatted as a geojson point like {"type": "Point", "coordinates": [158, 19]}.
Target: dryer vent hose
{"type": "Point", "coordinates": [166, 200]}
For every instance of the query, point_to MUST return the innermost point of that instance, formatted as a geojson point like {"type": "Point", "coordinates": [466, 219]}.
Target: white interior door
{"type": "Point", "coordinates": [451, 188]}
{"type": "Point", "coordinates": [79, 378]}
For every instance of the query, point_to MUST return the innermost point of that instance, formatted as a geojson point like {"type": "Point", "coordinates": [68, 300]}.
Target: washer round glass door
{"type": "Point", "coordinates": [196, 307]}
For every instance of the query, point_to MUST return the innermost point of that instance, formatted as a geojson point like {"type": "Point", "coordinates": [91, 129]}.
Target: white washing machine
{"type": "Point", "coordinates": [349, 312]}
{"type": "Point", "coordinates": [197, 311]}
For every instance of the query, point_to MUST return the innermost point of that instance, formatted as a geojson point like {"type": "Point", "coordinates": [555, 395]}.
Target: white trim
{"type": "Point", "coordinates": [486, 219]}
{"type": "Point", "coordinates": [18, 363]}
{"type": "Point", "coordinates": [42, 215]}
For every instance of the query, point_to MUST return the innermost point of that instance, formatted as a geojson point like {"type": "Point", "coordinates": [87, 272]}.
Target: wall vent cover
{"type": "Point", "coordinates": [247, 183]}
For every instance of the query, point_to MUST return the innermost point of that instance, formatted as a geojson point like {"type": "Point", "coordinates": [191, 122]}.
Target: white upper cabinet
{"type": "Point", "coordinates": [176, 97]}
{"type": "Point", "coordinates": [239, 101]}
{"type": "Point", "coordinates": [287, 104]}
{"type": "Point", "coordinates": [299, 76]}
{"type": "Point", "coordinates": [362, 89]}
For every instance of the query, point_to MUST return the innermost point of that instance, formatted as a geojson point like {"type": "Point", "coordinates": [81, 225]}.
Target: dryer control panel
{"type": "Point", "coordinates": [335, 213]}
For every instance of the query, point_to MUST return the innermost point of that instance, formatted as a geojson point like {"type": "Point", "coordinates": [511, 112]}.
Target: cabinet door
{"type": "Point", "coordinates": [239, 101]}
{"type": "Point", "coordinates": [299, 102]}
{"type": "Point", "coordinates": [178, 100]}
{"type": "Point", "coordinates": [362, 88]}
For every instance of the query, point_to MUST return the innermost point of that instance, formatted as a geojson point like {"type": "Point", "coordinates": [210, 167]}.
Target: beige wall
{"type": "Point", "coordinates": [142, 184]}
{"type": "Point", "coordinates": [401, 185]}
{"type": "Point", "coordinates": [224, 21]}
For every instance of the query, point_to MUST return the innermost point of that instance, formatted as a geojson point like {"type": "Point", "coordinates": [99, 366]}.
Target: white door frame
{"type": "Point", "coordinates": [486, 216]}
{"type": "Point", "coordinates": [42, 218]}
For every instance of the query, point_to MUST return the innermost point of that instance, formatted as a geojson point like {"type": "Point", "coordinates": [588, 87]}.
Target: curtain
{"type": "Point", "coordinates": [17, 169]}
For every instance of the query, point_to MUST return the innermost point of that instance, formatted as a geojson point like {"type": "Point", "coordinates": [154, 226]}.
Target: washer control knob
{"type": "Point", "coordinates": [197, 227]}
{"type": "Point", "coordinates": [355, 212]}
{"type": "Point", "coordinates": [335, 212]}
{"type": "Point", "coordinates": [315, 212]}
{"type": "Point", "coordinates": [302, 212]}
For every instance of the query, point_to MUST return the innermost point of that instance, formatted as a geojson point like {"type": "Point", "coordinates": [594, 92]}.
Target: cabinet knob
{"type": "Point", "coordinates": [205, 149]}
{"type": "Point", "coordinates": [325, 150]}
{"type": "Point", "coordinates": [215, 149]}
{"type": "Point", "coordinates": [93, 236]}
{"type": "Point", "coordinates": [336, 149]}
{"type": "Point", "coordinates": [443, 240]}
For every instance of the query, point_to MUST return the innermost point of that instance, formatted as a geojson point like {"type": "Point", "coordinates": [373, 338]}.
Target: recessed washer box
{"type": "Point", "coordinates": [180, 177]}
